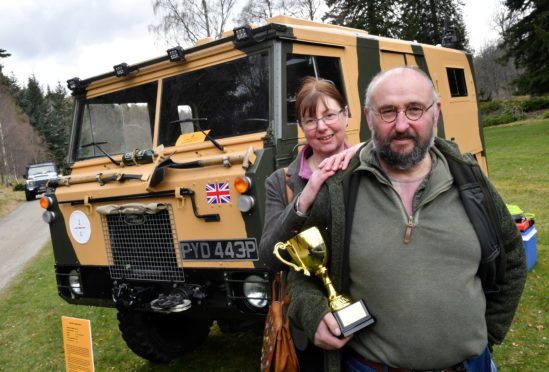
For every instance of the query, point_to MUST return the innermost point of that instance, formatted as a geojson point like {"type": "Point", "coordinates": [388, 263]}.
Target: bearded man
{"type": "Point", "coordinates": [403, 238]}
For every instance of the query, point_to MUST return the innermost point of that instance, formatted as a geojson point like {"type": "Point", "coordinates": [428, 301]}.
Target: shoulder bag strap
{"type": "Point", "coordinates": [289, 191]}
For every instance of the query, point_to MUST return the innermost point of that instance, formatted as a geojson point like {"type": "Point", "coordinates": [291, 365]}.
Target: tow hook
{"type": "Point", "coordinates": [125, 296]}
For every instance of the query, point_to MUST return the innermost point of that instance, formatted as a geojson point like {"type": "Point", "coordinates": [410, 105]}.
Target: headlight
{"type": "Point", "coordinates": [48, 216]}
{"type": "Point", "coordinates": [30, 183]}
{"type": "Point", "coordinates": [74, 283]}
{"type": "Point", "coordinates": [255, 289]}
{"type": "Point", "coordinates": [245, 203]}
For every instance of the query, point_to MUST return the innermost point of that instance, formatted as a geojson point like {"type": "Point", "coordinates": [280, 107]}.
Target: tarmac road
{"type": "Point", "coordinates": [22, 234]}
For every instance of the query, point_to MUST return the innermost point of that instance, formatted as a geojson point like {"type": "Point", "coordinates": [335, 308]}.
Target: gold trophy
{"type": "Point", "coordinates": [310, 254]}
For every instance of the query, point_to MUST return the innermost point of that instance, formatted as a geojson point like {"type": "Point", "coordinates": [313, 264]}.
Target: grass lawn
{"type": "Point", "coordinates": [518, 164]}
{"type": "Point", "coordinates": [30, 310]}
{"type": "Point", "coordinates": [9, 199]}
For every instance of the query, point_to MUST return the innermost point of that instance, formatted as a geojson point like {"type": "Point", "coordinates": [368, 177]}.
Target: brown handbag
{"type": "Point", "coordinates": [278, 350]}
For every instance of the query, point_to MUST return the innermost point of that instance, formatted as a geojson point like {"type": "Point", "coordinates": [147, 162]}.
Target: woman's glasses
{"type": "Point", "coordinates": [329, 118]}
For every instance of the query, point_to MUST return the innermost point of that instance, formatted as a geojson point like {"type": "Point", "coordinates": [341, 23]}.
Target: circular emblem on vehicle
{"type": "Point", "coordinates": [134, 219]}
{"type": "Point", "coordinates": [80, 227]}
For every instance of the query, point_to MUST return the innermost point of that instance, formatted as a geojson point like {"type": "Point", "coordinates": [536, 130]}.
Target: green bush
{"type": "Point", "coordinates": [545, 115]}
{"type": "Point", "coordinates": [19, 187]}
{"type": "Point", "coordinates": [535, 103]}
{"type": "Point", "coordinates": [490, 106]}
{"type": "Point", "coordinates": [502, 118]}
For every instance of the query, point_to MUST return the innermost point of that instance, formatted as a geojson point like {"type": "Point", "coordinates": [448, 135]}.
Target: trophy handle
{"type": "Point", "coordinates": [283, 246]}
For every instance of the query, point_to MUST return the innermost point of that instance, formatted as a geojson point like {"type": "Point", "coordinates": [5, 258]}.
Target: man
{"type": "Point", "coordinates": [402, 238]}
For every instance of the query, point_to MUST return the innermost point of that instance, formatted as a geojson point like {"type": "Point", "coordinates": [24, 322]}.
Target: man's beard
{"type": "Point", "coordinates": [400, 160]}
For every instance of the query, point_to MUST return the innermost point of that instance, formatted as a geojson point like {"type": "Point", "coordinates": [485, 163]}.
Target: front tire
{"type": "Point", "coordinates": [160, 337]}
{"type": "Point", "coordinates": [29, 195]}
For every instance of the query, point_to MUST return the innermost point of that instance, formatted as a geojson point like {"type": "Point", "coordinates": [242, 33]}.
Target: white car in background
{"type": "Point", "coordinates": [37, 178]}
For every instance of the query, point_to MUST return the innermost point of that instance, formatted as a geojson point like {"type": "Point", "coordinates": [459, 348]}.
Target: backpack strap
{"type": "Point", "coordinates": [481, 210]}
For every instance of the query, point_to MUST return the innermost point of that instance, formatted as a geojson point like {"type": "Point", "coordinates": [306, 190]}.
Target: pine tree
{"type": "Point", "coordinates": [57, 122]}
{"type": "Point", "coordinates": [32, 102]}
{"type": "Point", "coordinates": [423, 21]}
{"type": "Point", "coordinates": [426, 21]}
{"type": "Point", "coordinates": [527, 41]}
{"type": "Point", "coordinates": [378, 17]}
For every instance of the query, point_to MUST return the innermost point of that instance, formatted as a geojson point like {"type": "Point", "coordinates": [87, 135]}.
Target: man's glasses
{"type": "Point", "coordinates": [329, 118]}
{"type": "Point", "coordinates": [412, 112]}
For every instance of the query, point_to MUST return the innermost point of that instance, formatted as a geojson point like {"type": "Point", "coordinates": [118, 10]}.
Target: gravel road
{"type": "Point", "coordinates": [22, 234]}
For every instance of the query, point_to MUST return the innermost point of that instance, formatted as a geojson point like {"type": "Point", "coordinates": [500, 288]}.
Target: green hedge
{"type": "Point", "coordinates": [503, 118]}
{"type": "Point", "coordinates": [490, 106]}
{"type": "Point", "coordinates": [508, 110]}
{"type": "Point", "coordinates": [535, 103]}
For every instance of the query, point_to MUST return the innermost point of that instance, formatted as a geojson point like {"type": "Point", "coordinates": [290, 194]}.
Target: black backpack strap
{"type": "Point", "coordinates": [481, 210]}
{"type": "Point", "coordinates": [350, 192]}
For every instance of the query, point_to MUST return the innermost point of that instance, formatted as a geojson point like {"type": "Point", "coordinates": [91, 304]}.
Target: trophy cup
{"type": "Point", "coordinates": [310, 254]}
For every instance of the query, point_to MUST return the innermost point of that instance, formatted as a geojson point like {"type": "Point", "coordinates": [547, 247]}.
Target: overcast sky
{"type": "Point", "coordinates": [59, 39]}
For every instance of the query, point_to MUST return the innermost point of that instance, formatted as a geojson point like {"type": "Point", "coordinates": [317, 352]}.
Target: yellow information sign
{"type": "Point", "coordinates": [77, 341]}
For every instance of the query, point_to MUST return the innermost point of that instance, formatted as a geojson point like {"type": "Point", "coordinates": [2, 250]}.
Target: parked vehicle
{"type": "Point", "coordinates": [37, 177]}
{"type": "Point", "coordinates": [162, 213]}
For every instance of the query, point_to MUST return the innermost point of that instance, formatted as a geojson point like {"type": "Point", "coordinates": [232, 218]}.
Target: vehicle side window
{"type": "Point", "coordinates": [228, 99]}
{"type": "Point", "coordinates": [298, 66]}
{"type": "Point", "coordinates": [456, 79]}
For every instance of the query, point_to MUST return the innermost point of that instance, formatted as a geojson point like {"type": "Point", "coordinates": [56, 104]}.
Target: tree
{"type": "Point", "coordinates": [3, 54]}
{"type": "Point", "coordinates": [307, 9]}
{"type": "Point", "coordinates": [57, 122]}
{"type": "Point", "coordinates": [378, 17]}
{"type": "Point", "coordinates": [20, 143]}
{"type": "Point", "coordinates": [186, 21]}
{"type": "Point", "coordinates": [258, 11]}
{"type": "Point", "coordinates": [4, 79]}
{"type": "Point", "coordinates": [527, 41]}
{"type": "Point", "coordinates": [32, 103]}
{"type": "Point", "coordinates": [502, 20]}
{"type": "Point", "coordinates": [426, 21]}
{"type": "Point", "coordinates": [493, 78]}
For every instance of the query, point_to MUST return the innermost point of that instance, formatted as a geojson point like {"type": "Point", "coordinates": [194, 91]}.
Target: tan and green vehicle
{"type": "Point", "coordinates": [162, 212]}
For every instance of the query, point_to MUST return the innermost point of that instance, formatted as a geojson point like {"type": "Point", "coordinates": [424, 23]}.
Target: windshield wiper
{"type": "Point", "coordinates": [96, 144]}
{"type": "Point", "coordinates": [195, 121]}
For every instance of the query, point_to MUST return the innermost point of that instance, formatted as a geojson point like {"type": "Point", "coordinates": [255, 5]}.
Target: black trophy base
{"type": "Point", "coordinates": [353, 318]}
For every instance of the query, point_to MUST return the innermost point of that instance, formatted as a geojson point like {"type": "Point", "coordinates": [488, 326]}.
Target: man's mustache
{"type": "Point", "coordinates": [405, 135]}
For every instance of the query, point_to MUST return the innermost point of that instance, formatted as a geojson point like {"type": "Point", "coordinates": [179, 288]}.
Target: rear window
{"type": "Point", "coordinates": [456, 79]}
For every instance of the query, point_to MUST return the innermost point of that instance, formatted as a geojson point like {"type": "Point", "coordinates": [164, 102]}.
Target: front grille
{"type": "Point", "coordinates": [143, 246]}
{"type": "Point", "coordinates": [39, 183]}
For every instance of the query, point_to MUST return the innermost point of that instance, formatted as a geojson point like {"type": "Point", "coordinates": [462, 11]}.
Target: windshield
{"type": "Point", "coordinates": [225, 100]}
{"type": "Point", "coordinates": [118, 122]}
{"type": "Point", "coordinates": [41, 169]}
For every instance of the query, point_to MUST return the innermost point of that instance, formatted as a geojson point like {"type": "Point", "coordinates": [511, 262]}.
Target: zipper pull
{"type": "Point", "coordinates": [409, 228]}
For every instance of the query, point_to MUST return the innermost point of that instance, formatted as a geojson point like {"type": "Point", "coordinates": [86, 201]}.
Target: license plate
{"type": "Point", "coordinates": [219, 250]}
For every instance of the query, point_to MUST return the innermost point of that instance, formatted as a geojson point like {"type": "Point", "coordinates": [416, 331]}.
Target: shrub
{"type": "Point", "coordinates": [502, 118]}
{"type": "Point", "coordinates": [19, 187]}
{"type": "Point", "coordinates": [535, 103]}
{"type": "Point", "coordinates": [489, 106]}
{"type": "Point", "coordinates": [545, 115]}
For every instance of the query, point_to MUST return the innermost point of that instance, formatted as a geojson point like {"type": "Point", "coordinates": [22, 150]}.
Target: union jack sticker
{"type": "Point", "coordinates": [217, 193]}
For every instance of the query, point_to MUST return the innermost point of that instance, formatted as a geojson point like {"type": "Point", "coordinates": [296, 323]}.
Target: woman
{"type": "Point", "coordinates": [323, 116]}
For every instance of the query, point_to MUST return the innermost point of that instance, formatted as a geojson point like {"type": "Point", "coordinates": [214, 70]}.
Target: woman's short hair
{"type": "Point", "coordinates": [311, 91]}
